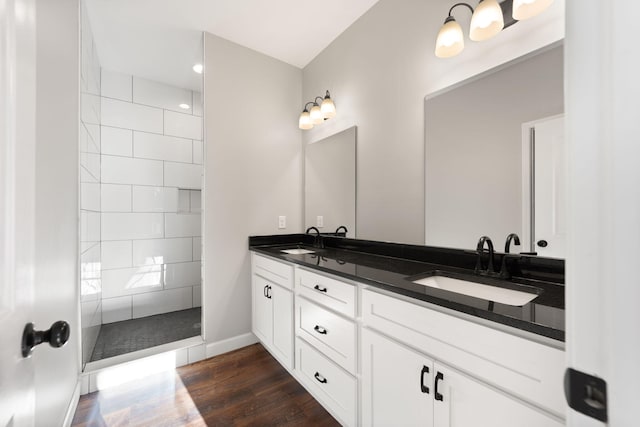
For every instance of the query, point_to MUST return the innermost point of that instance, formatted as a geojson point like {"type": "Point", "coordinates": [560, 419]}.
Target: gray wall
{"type": "Point", "coordinates": [379, 71]}
{"type": "Point", "coordinates": [253, 172]}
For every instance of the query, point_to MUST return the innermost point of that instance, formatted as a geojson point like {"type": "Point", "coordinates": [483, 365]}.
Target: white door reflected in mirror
{"type": "Point", "coordinates": [545, 187]}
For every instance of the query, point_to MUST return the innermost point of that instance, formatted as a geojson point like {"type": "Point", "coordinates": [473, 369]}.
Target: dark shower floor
{"type": "Point", "coordinates": [127, 336]}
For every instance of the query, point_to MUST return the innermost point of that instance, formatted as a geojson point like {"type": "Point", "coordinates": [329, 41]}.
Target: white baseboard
{"type": "Point", "coordinates": [73, 405]}
{"type": "Point", "coordinates": [230, 344]}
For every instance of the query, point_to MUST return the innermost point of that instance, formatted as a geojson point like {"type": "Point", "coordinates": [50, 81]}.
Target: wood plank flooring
{"type": "Point", "coordinates": [246, 387]}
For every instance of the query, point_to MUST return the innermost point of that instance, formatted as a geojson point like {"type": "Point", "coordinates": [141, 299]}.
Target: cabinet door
{"type": "Point", "coordinates": [461, 401]}
{"type": "Point", "coordinates": [282, 303]}
{"type": "Point", "coordinates": [397, 384]}
{"type": "Point", "coordinates": [262, 311]}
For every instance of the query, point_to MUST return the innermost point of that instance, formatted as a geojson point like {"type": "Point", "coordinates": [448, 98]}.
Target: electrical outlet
{"type": "Point", "coordinates": [319, 221]}
{"type": "Point", "coordinates": [282, 221]}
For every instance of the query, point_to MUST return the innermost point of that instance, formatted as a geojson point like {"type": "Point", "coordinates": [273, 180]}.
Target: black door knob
{"type": "Point", "coordinates": [542, 243]}
{"type": "Point", "coordinates": [56, 336]}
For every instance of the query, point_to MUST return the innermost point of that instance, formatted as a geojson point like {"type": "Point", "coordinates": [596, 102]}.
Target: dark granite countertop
{"type": "Point", "coordinates": [393, 266]}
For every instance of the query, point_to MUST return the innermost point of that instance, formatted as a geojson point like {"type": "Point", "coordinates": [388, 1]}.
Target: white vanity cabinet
{"type": "Point", "coordinates": [424, 367]}
{"type": "Point", "coordinates": [326, 342]}
{"type": "Point", "coordinates": [374, 358]}
{"type": "Point", "coordinates": [272, 306]}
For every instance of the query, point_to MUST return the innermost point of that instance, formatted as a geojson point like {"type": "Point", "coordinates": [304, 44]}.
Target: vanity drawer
{"type": "Point", "coordinates": [330, 385]}
{"type": "Point", "coordinates": [274, 271]}
{"type": "Point", "coordinates": [524, 368]}
{"type": "Point", "coordinates": [330, 333]}
{"type": "Point", "coordinates": [332, 293]}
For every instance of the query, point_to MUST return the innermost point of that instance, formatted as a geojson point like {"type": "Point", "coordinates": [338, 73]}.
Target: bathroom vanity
{"type": "Point", "coordinates": [390, 334]}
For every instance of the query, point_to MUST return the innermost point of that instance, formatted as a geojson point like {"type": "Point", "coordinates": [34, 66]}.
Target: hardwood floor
{"type": "Point", "coordinates": [246, 387]}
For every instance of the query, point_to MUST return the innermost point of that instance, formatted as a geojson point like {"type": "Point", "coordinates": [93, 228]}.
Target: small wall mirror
{"type": "Point", "coordinates": [330, 183]}
{"type": "Point", "coordinates": [476, 151]}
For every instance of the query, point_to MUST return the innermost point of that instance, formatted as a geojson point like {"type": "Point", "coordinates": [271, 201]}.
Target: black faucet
{"type": "Point", "coordinates": [342, 227]}
{"type": "Point", "coordinates": [507, 244]}
{"type": "Point", "coordinates": [317, 241]}
{"type": "Point", "coordinates": [480, 250]}
{"type": "Point", "coordinates": [504, 272]}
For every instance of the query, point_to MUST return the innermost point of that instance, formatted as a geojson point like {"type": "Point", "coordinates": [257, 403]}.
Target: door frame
{"type": "Point", "coordinates": [528, 184]}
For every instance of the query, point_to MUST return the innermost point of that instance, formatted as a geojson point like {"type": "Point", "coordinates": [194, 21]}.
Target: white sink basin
{"type": "Point", "coordinates": [297, 251]}
{"type": "Point", "coordinates": [478, 290]}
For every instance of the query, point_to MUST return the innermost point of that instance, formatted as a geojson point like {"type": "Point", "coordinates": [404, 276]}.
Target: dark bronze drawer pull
{"type": "Point", "coordinates": [320, 378]}
{"type": "Point", "coordinates": [320, 288]}
{"type": "Point", "coordinates": [319, 329]}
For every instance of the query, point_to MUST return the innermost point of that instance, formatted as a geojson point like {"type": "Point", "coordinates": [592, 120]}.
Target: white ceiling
{"type": "Point", "coordinates": [161, 39]}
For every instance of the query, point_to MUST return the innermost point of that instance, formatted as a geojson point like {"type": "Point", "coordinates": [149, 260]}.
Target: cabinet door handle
{"type": "Point", "coordinates": [319, 329]}
{"type": "Point", "coordinates": [424, 388]}
{"type": "Point", "coordinates": [269, 291]}
{"type": "Point", "coordinates": [438, 395]}
{"type": "Point", "coordinates": [320, 288]}
{"type": "Point", "coordinates": [320, 378]}
{"type": "Point", "coordinates": [264, 291]}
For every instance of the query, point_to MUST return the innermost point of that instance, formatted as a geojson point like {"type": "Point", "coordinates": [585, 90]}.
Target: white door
{"type": "Point", "coordinates": [397, 384]}
{"type": "Point", "coordinates": [461, 401]}
{"type": "Point", "coordinates": [17, 195]}
{"type": "Point", "coordinates": [602, 290]}
{"type": "Point", "coordinates": [550, 185]}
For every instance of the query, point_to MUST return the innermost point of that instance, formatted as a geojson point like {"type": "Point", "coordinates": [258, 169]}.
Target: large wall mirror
{"type": "Point", "coordinates": [330, 183]}
{"type": "Point", "coordinates": [474, 163]}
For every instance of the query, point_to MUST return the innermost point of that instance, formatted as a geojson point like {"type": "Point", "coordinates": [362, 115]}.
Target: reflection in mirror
{"type": "Point", "coordinates": [330, 183]}
{"type": "Point", "coordinates": [473, 149]}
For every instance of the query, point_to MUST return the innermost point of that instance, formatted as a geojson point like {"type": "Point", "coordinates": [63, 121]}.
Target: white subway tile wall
{"type": "Point", "coordinates": [181, 225]}
{"type": "Point", "coordinates": [123, 226]}
{"type": "Point", "coordinates": [152, 303]}
{"type": "Point", "coordinates": [148, 92]}
{"type": "Point", "coordinates": [116, 309]}
{"type": "Point", "coordinates": [154, 199]}
{"type": "Point", "coordinates": [182, 175]}
{"type": "Point", "coordinates": [126, 115]}
{"type": "Point", "coordinates": [116, 198]}
{"type": "Point", "coordinates": [161, 147]}
{"type": "Point", "coordinates": [116, 85]}
{"type": "Point", "coordinates": [151, 150]}
{"type": "Point", "coordinates": [182, 125]}
{"type": "Point", "coordinates": [117, 141]}
{"type": "Point", "coordinates": [117, 254]}
{"type": "Point", "coordinates": [90, 144]}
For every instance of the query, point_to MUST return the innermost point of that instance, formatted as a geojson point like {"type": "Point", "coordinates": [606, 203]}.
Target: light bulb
{"type": "Point", "coordinates": [450, 41]}
{"type": "Point", "coordinates": [305, 120]}
{"type": "Point", "coordinates": [327, 107]}
{"type": "Point", "coordinates": [316, 115]}
{"type": "Point", "coordinates": [487, 20]}
{"type": "Point", "coordinates": [525, 9]}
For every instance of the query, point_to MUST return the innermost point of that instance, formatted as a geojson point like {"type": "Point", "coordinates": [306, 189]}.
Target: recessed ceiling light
{"type": "Point", "coordinates": [184, 106]}
{"type": "Point", "coordinates": [198, 68]}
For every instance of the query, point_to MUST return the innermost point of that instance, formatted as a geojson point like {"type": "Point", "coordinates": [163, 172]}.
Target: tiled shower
{"type": "Point", "coordinates": [141, 174]}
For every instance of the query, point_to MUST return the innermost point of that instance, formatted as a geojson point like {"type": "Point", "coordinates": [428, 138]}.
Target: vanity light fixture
{"type": "Point", "coordinates": [198, 68]}
{"type": "Point", "coordinates": [487, 20]}
{"type": "Point", "coordinates": [525, 9]}
{"type": "Point", "coordinates": [319, 112]}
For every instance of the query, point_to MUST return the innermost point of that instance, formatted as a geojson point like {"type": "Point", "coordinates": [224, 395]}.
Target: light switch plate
{"type": "Point", "coordinates": [319, 221]}
{"type": "Point", "coordinates": [282, 222]}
